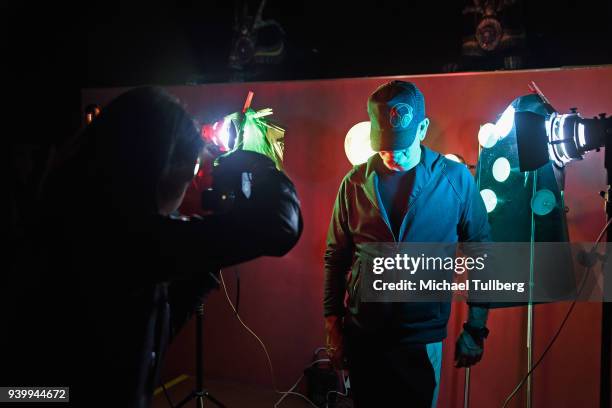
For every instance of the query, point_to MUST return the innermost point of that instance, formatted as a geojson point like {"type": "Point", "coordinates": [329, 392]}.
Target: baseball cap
{"type": "Point", "coordinates": [395, 109]}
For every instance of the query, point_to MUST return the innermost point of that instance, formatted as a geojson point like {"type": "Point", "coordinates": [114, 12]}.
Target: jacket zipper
{"type": "Point", "coordinates": [383, 210]}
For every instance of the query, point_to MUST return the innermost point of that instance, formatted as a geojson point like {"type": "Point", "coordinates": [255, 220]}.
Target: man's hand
{"type": "Point", "coordinates": [334, 341]}
{"type": "Point", "coordinates": [470, 344]}
{"type": "Point", "coordinates": [468, 350]}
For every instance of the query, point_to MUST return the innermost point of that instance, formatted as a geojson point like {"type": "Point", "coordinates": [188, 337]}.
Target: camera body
{"type": "Point", "coordinates": [234, 176]}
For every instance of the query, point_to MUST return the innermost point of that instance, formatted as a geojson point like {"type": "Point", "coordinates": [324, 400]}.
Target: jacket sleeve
{"type": "Point", "coordinates": [474, 230]}
{"type": "Point", "coordinates": [268, 224]}
{"type": "Point", "coordinates": [338, 256]}
{"type": "Point", "coordinates": [473, 222]}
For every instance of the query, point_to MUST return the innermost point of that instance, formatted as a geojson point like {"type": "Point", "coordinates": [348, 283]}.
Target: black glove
{"type": "Point", "coordinates": [470, 346]}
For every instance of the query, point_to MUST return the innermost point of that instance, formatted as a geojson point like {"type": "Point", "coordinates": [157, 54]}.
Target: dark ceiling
{"type": "Point", "coordinates": [65, 49]}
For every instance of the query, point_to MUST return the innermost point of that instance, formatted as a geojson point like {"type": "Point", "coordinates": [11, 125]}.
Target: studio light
{"type": "Point", "coordinates": [525, 206]}
{"type": "Point", "coordinates": [490, 199]}
{"type": "Point", "coordinates": [357, 143]}
{"type": "Point", "coordinates": [503, 127]}
{"type": "Point", "coordinates": [501, 169]}
{"type": "Point", "coordinates": [219, 134]}
{"type": "Point", "coordinates": [511, 194]}
{"type": "Point", "coordinates": [489, 133]}
{"type": "Point", "coordinates": [561, 138]}
{"type": "Point", "coordinates": [543, 202]}
{"type": "Point", "coordinates": [487, 136]}
{"type": "Point", "coordinates": [257, 41]}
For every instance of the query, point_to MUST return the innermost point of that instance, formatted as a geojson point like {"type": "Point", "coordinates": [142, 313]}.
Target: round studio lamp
{"type": "Point", "coordinates": [504, 125]}
{"type": "Point", "coordinates": [490, 199]}
{"type": "Point", "coordinates": [487, 136]}
{"type": "Point", "coordinates": [357, 144]}
{"type": "Point", "coordinates": [543, 202]}
{"type": "Point", "coordinates": [501, 169]}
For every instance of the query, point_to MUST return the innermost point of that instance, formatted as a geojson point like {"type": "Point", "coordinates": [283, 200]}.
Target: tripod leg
{"type": "Point", "coordinates": [200, 392]}
{"type": "Point", "coordinates": [214, 400]}
{"type": "Point", "coordinates": [185, 400]}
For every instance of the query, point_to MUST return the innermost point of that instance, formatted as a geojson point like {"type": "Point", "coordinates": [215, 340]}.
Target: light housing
{"type": "Point", "coordinates": [556, 137]}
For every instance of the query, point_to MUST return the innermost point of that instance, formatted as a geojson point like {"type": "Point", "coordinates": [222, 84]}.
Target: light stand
{"type": "Point", "coordinates": [530, 309]}
{"type": "Point", "coordinates": [466, 389]}
{"type": "Point", "coordinates": [606, 307]}
{"type": "Point", "coordinates": [567, 138]}
{"type": "Point", "coordinates": [199, 393]}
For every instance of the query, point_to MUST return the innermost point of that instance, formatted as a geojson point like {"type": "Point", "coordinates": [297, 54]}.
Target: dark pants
{"type": "Point", "coordinates": [386, 373]}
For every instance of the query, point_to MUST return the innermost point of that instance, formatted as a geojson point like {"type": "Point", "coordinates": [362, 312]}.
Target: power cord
{"type": "Point", "coordinates": [290, 391]}
{"type": "Point", "coordinates": [263, 346]}
{"type": "Point", "coordinates": [237, 274]}
{"type": "Point", "coordinates": [567, 315]}
{"type": "Point", "coordinates": [343, 394]}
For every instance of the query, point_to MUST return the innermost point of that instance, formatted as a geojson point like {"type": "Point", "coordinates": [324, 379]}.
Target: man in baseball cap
{"type": "Point", "coordinates": [398, 124]}
{"type": "Point", "coordinates": [405, 193]}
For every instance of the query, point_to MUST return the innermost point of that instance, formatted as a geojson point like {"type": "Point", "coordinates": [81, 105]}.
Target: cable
{"type": "Point", "coordinates": [567, 315]}
{"type": "Point", "coordinates": [237, 273]}
{"type": "Point", "coordinates": [290, 391]}
{"type": "Point", "coordinates": [263, 346]}
{"type": "Point", "coordinates": [600, 236]}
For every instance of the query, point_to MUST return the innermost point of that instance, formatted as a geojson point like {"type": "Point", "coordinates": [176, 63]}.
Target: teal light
{"type": "Point", "coordinates": [490, 199]}
{"type": "Point", "coordinates": [543, 202]}
{"type": "Point", "coordinates": [501, 169]}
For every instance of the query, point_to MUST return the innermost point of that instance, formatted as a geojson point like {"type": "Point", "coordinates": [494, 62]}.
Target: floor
{"type": "Point", "coordinates": [232, 395]}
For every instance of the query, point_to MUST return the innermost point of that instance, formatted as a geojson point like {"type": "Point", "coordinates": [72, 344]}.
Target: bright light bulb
{"type": "Point", "coordinates": [581, 137]}
{"type": "Point", "coordinates": [504, 125]}
{"type": "Point", "coordinates": [501, 169]}
{"type": "Point", "coordinates": [196, 167]}
{"type": "Point", "coordinates": [486, 135]}
{"type": "Point", "coordinates": [224, 133]}
{"type": "Point", "coordinates": [357, 143]}
{"type": "Point", "coordinates": [490, 199]}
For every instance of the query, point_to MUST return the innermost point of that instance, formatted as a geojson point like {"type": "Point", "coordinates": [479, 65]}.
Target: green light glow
{"type": "Point", "coordinates": [261, 136]}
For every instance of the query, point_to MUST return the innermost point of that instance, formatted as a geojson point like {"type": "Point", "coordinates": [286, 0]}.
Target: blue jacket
{"type": "Point", "coordinates": [444, 206]}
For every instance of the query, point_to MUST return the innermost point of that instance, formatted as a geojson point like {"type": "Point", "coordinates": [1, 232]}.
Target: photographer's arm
{"type": "Point", "coordinates": [270, 224]}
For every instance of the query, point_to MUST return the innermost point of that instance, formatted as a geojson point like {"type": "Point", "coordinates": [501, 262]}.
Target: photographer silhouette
{"type": "Point", "coordinates": [108, 276]}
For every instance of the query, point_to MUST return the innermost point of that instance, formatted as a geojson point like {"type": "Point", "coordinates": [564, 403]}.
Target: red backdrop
{"type": "Point", "coordinates": [282, 298]}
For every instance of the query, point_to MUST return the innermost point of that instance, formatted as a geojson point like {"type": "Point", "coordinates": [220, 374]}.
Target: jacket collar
{"type": "Point", "coordinates": [431, 162]}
